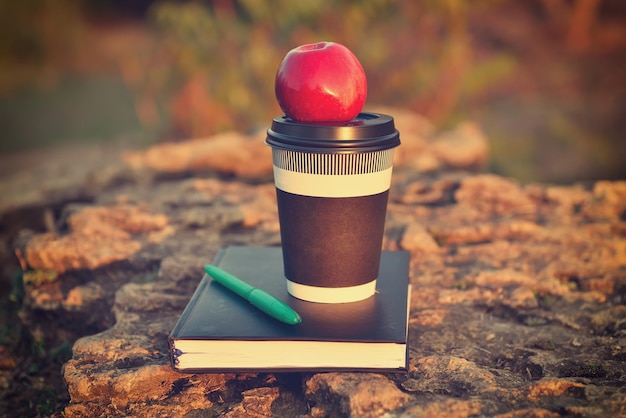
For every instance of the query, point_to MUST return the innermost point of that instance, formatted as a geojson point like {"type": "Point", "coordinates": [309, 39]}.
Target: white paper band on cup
{"type": "Point", "coordinates": [331, 294]}
{"type": "Point", "coordinates": [320, 185]}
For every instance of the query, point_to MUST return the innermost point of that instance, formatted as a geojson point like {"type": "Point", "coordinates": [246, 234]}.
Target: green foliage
{"type": "Point", "coordinates": [482, 75]}
{"type": "Point", "coordinates": [36, 37]}
{"type": "Point", "coordinates": [213, 64]}
{"type": "Point", "coordinates": [198, 67]}
{"type": "Point", "coordinates": [17, 287]}
{"type": "Point", "coordinates": [38, 277]}
{"type": "Point", "coordinates": [61, 353]}
{"type": "Point", "coordinates": [38, 349]}
{"type": "Point", "coordinates": [47, 405]}
{"type": "Point", "coordinates": [231, 51]}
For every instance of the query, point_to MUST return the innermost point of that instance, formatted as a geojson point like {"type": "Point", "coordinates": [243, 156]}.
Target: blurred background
{"type": "Point", "coordinates": [545, 79]}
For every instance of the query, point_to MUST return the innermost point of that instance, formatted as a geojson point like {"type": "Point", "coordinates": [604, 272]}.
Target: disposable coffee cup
{"type": "Point", "coordinates": [332, 187]}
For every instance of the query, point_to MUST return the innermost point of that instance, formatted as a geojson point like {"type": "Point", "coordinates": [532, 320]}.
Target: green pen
{"type": "Point", "coordinates": [267, 303]}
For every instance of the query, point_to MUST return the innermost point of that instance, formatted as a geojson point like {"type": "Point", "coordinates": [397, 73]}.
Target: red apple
{"type": "Point", "coordinates": [321, 82]}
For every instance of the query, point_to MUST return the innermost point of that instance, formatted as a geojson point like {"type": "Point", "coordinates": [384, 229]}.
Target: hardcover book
{"type": "Point", "coordinates": [220, 331]}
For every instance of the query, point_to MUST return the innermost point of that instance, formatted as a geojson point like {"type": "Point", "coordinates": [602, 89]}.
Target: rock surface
{"type": "Point", "coordinates": [517, 309]}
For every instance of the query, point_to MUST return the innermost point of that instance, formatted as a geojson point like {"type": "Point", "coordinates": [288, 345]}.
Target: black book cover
{"type": "Point", "coordinates": [215, 314]}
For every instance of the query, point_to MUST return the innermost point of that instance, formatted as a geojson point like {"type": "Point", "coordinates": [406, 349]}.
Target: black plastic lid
{"type": "Point", "coordinates": [368, 132]}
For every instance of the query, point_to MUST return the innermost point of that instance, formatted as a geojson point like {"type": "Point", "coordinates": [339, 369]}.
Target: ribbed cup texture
{"type": "Point", "coordinates": [333, 164]}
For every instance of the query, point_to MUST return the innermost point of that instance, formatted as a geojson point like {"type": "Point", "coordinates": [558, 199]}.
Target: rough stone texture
{"type": "Point", "coordinates": [97, 236]}
{"type": "Point", "coordinates": [229, 152]}
{"type": "Point", "coordinates": [353, 394]}
{"type": "Point", "coordinates": [517, 309]}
